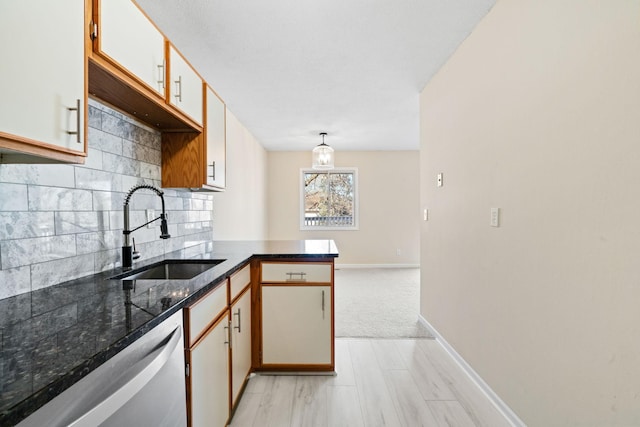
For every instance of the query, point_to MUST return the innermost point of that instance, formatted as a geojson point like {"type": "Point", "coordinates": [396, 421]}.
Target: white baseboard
{"type": "Point", "coordinates": [347, 266]}
{"type": "Point", "coordinates": [477, 379]}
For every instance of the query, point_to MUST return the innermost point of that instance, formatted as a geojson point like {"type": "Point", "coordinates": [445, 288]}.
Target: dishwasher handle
{"type": "Point", "coordinates": [140, 374]}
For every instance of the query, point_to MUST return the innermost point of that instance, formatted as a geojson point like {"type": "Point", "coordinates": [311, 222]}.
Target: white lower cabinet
{"type": "Point", "coordinates": [208, 377]}
{"type": "Point", "coordinates": [240, 343]}
{"type": "Point", "coordinates": [296, 325]}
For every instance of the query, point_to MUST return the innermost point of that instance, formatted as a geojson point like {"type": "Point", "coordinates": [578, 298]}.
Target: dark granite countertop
{"type": "Point", "coordinates": [52, 337]}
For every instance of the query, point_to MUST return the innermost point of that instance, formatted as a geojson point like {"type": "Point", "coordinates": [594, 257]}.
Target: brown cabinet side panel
{"type": "Point", "coordinates": [182, 160]}
{"type": "Point", "coordinates": [256, 316]}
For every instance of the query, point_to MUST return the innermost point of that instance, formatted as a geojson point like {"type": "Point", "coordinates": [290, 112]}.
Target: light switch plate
{"type": "Point", "coordinates": [495, 217]}
{"type": "Point", "coordinates": [440, 179]}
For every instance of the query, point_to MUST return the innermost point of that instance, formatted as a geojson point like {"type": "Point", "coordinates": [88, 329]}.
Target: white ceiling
{"type": "Point", "coordinates": [290, 69]}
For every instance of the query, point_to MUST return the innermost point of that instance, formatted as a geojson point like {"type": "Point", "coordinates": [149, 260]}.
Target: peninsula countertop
{"type": "Point", "coordinates": [52, 337]}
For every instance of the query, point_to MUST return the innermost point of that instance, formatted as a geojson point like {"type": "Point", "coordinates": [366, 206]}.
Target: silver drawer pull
{"type": "Point", "coordinates": [228, 334]}
{"type": "Point", "coordinates": [178, 94]}
{"type": "Point", "coordinates": [213, 171]}
{"type": "Point", "coordinates": [239, 327]}
{"type": "Point", "coordinates": [161, 74]}
{"type": "Point", "coordinates": [300, 277]}
{"type": "Point", "coordinates": [323, 304]}
{"type": "Point", "coordinates": [77, 131]}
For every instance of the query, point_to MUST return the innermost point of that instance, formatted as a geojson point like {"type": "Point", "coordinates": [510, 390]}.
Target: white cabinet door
{"type": "Point", "coordinates": [240, 342]}
{"type": "Point", "coordinates": [209, 377]}
{"type": "Point", "coordinates": [42, 64]}
{"type": "Point", "coordinates": [296, 324]}
{"type": "Point", "coordinates": [128, 37]}
{"type": "Point", "coordinates": [215, 130]}
{"type": "Point", "coordinates": [186, 91]}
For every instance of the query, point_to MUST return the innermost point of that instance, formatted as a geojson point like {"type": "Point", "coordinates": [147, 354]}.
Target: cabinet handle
{"type": "Point", "coordinates": [226, 328]}
{"type": "Point", "coordinates": [239, 327]}
{"type": "Point", "coordinates": [77, 131]}
{"type": "Point", "coordinates": [161, 74]}
{"type": "Point", "coordinates": [213, 171]}
{"type": "Point", "coordinates": [323, 304]}
{"type": "Point", "coordinates": [301, 277]}
{"type": "Point", "coordinates": [178, 94]}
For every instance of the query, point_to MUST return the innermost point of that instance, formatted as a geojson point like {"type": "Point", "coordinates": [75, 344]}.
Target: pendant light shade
{"type": "Point", "coordinates": [322, 155]}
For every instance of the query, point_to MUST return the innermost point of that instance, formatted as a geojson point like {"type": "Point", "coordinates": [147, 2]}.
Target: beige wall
{"type": "Point", "coordinates": [239, 212]}
{"type": "Point", "coordinates": [389, 208]}
{"type": "Point", "coordinates": [538, 113]}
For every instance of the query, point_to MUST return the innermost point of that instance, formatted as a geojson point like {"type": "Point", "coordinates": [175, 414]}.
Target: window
{"type": "Point", "coordinates": [329, 199]}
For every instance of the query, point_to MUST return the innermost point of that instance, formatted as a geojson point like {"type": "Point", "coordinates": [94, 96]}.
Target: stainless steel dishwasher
{"type": "Point", "coordinates": [143, 385]}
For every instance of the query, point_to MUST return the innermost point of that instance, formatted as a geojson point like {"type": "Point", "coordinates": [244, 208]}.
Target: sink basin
{"type": "Point", "coordinates": [171, 270]}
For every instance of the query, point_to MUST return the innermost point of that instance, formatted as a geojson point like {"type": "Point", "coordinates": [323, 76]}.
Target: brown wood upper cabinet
{"type": "Point", "coordinates": [43, 106]}
{"type": "Point", "coordinates": [198, 161]}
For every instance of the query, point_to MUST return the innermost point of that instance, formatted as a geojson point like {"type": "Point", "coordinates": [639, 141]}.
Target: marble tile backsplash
{"type": "Point", "coordinates": [61, 222]}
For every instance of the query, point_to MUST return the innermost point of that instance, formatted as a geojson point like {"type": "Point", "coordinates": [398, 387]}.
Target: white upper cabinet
{"type": "Point", "coordinates": [215, 130]}
{"type": "Point", "coordinates": [42, 65]}
{"type": "Point", "coordinates": [185, 87]}
{"type": "Point", "coordinates": [128, 37]}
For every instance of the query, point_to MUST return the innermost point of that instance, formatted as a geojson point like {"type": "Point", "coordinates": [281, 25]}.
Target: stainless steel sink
{"type": "Point", "coordinates": [171, 270]}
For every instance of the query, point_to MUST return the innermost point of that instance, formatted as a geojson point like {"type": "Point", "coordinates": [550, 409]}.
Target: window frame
{"type": "Point", "coordinates": [356, 196]}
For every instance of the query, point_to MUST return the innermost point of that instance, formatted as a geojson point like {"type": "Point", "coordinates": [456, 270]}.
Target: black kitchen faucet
{"type": "Point", "coordinates": [127, 251]}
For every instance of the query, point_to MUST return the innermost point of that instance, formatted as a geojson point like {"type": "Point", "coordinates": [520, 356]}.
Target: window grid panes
{"type": "Point", "coordinates": [329, 199]}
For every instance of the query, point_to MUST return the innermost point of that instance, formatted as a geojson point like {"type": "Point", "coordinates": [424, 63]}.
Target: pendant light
{"type": "Point", "coordinates": [322, 155]}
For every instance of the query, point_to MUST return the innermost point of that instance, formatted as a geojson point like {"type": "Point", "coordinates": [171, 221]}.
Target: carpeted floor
{"type": "Point", "coordinates": [378, 303]}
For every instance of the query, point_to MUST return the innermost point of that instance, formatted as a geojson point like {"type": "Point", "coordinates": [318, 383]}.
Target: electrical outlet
{"type": "Point", "coordinates": [440, 179]}
{"type": "Point", "coordinates": [398, 252]}
{"type": "Point", "coordinates": [151, 215]}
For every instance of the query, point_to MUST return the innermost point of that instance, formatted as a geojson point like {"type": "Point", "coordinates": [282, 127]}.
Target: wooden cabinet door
{"type": "Point", "coordinates": [215, 131]}
{"type": "Point", "coordinates": [43, 96]}
{"type": "Point", "coordinates": [209, 377]}
{"type": "Point", "coordinates": [128, 37]}
{"type": "Point", "coordinates": [240, 343]}
{"type": "Point", "coordinates": [185, 87]}
{"type": "Point", "coordinates": [296, 325]}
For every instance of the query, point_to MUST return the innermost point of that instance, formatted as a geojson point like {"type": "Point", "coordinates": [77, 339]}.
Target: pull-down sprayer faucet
{"type": "Point", "coordinates": [127, 254]}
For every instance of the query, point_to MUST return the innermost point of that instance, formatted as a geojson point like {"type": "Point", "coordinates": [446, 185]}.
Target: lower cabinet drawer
{"type": "Point", "coordinates": [297, 272]}
{"type": "Point", "coordinates": [239, 281]}
{"type": "Point", "coordinates": [201, 314]}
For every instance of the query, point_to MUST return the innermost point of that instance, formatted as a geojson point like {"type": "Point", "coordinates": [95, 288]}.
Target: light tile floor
{"type": "Point", "coordinates": [379, 382]}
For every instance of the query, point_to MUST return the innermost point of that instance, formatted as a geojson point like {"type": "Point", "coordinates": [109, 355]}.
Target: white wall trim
{"type": "Point", "coordinates": [477, 379]}
{"type": "Point", "coordinates": [346, 266]}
